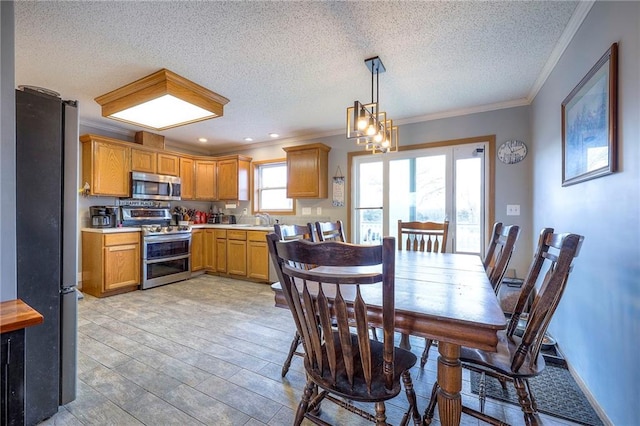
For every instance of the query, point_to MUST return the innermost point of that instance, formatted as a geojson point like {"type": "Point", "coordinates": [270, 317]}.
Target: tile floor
{"type": "Point", "coordinates": [207, 351]}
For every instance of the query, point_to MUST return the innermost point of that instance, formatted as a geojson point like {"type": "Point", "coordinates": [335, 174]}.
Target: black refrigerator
{"type": "Point", "coordinates": [46, 239]}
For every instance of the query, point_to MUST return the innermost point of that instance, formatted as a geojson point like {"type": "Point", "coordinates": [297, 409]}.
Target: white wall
{"type": "Point", "coordinates": [597, 323]}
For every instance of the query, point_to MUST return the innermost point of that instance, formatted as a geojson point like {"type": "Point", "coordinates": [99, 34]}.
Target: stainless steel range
{"type": "Point", "coordinates": [166, 248]}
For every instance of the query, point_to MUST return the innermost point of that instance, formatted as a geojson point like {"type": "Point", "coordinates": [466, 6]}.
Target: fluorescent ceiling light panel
{"type": "Point", "coordinates": [161, 101]}
{"type": "Point", "coordinates": [164, 112]}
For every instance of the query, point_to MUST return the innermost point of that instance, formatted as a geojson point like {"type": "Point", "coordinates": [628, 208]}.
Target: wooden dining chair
{"type": "Point", "coordinates": [499, 251]}
{"type": "Point", "coordinates": [286, 233]}
{"type": "Point", "coordinates": [518, 358]}
{"type": "Point", "coordinates": [342, 363]}
{"type": "Point", "coordinates": [329, 231]}
{"type": "Point", "coordinates": [422, 236]}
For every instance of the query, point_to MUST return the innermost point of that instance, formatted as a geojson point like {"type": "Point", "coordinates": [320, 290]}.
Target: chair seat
{"type": "Point", "coordinates": [500, 361]}
{"type": "Point", "coordinates": [403, 361]}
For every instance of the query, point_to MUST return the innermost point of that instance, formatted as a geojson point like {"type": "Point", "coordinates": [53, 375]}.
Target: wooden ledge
{"type": "Point", "coordinates": [16, 315]}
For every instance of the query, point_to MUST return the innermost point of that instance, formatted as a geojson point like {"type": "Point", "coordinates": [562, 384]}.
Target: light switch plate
{"type": "Point", "coordinates": [306, 211]}
{"type": "Point", "coordinates": [513, 209]}
{"type": "Point", "coordinates": [318, 211]}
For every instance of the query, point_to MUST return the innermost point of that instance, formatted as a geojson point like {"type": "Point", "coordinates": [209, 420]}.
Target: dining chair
{"type": "Point", "coordinates": [499, 251]}
{"type": "Point", "coordinates": [286, 233]}
{"type": "Point", "coordinates": [518, 358]}
{"type": "Point", "coordinates": [329, 231]}
{"type": "Point", "coordinates": [422, 236]}
{"type": "Point", "coordinates": [342, 363]}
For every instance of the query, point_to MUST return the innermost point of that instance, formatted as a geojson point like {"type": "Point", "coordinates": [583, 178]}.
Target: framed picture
{"type": "Point", "coordinates": [589, 123]}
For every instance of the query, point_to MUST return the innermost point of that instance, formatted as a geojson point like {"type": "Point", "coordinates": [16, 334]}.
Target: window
{"type": "Point", "coordinates": [270, 188]}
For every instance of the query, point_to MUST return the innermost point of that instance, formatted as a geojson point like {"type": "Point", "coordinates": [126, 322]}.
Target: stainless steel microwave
{"type": "Point", "coordinates": [149, 186]}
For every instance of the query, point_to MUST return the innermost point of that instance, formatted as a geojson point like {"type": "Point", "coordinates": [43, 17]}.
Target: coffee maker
{"type": "Point", "coordinates": [104, 216]}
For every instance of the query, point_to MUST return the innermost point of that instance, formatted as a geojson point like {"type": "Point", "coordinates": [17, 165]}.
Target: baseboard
{"type": "Point", "coordinates": [587, 393]}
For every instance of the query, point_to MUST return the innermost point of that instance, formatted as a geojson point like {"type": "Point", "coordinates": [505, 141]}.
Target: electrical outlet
{"type": "Point", "coordinates": [318, 211]}
{"type": "Point", "coordinates": [306, 211]}
{"type": "Point", "coordinates": [513, 209]}
{"type": "Point", "coordinates": [244, 211]}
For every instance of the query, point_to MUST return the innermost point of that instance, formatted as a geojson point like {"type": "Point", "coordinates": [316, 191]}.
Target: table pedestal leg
{"type": "Point", "coordinates": [450, 381]}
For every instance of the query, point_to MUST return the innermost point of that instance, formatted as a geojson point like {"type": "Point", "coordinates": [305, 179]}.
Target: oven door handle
{"type": "Point", "coordinates": [166, 259]}
{"type": "Point", "coordinates": [166, 238]}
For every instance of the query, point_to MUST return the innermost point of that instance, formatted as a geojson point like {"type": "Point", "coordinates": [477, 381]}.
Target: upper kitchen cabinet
{"type": "Point", "coordinates": [206, 187]}
{"type": "Point", "coordinates": [149, 161]}
{"type": "Point", "coordinates": [233, 178]}
{"type": "Point", "coordinates": [105, 166]}
{"type": "Point", "coordinates": [307, 171]}
{"type": "Point", "coordinates": [168, 164]}
{"type": "Point", "coordinates": [143, 161]}
{"type": "Point", "coordinates": [187, 178]}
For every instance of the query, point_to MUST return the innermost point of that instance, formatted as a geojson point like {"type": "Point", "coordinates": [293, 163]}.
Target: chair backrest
{"type": "Point", "coordinates": [499, 251]}
{"type": "Point", "coordinates": [293, 232]}
{"type": "Point", "coordinates": [423, 236]}
{"type": "Point", "coordinates": [327, 304]}
{"type": "Point", "coordinates": [555, 252]}
{"type": "Point", "coordinates": [329, 231]}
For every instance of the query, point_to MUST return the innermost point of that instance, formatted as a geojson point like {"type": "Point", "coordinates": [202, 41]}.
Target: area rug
{"type": "Point", "coordinates": [556, 393]}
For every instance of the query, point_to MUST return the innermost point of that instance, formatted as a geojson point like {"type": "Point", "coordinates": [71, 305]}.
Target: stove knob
{"type": "Point", "coordinates": [169, 228]}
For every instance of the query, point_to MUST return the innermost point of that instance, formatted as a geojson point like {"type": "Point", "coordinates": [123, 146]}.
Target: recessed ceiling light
{"type": "Point", "coordinates": [248, 139]}
{"type": "Point", "coordinates": [203, 140]}
{"type": "Point", "coordinates": [274, 135]}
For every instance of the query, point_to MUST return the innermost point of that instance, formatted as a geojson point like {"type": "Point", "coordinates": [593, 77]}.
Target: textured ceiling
{"type": "Point", "coordinates": [293, 67]}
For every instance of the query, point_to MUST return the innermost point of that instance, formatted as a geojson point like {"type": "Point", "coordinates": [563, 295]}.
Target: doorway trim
{"type": "Point", "coordinates": [490, 140]}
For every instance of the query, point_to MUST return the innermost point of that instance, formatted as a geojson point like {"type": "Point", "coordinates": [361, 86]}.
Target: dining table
{"type": "Point", "coordinates": [446, 297]}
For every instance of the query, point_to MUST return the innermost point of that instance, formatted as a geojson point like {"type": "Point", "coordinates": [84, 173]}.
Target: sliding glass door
{"type": "Point", "coordinates": [429, 184]}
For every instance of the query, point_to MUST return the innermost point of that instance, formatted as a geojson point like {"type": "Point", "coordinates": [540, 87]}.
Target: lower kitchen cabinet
{"type": "Point", "coordinates": [209, 251]}
{"type": "Point", "coordinates": [237, 252]}
{"type": "Point", "coordinates": [257, 256]}
{"type": "Point", "coordinates": [221, 251]}
{"type": "Point", "coordinates": [110, 263]}
{"type": "Point", "coordinates": [197, 250]}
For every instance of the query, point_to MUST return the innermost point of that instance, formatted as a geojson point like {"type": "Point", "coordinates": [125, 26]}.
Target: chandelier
{"type": "Point", "coordinates": [366, 123]}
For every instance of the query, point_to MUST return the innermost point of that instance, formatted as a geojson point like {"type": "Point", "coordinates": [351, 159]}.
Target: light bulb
{"type": "Point", "coordinates": [378, 137]}
{"type": "Point", "coordinates": [362, 119]}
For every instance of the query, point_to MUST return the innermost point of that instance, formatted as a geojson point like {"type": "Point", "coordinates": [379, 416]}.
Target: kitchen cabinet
{"type": "Point", "coordinates": [205, 180]}
{"type": "Point", "coordinates": [105, 166]}
{"type": "Point", "coordinates": [197, 249]}
{"type": "Point", "coordinates": [110, 263]}
{"type": "Point", "coordinates": [237, 252]}
{"type": "Point", "coordinates": [243, 254]}
{"type": "Point", "coordinates": [307, 171]}
{"type": "Point", "coordinates": [186, 178]}
{"type": "Point", "coordinates": [168, 164]}
{"type": "Point", "coordinates": [233, 178]}
{"type": "Point", "coordinates": [210, 249]}
{"type": "Point", "coordinates": [143, 161]}
{"type": "Point", "coordinates": [221, 251]}
{"type": "Point", "coordinates": [257, 256]}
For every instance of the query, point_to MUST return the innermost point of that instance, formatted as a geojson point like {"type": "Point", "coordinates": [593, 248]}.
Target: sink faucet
{"type": "Point", "coordinates": [265, 216]}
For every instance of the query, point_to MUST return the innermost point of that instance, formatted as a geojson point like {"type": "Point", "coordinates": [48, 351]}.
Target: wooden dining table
{"type": "Point", "coordinates": [445, 297]}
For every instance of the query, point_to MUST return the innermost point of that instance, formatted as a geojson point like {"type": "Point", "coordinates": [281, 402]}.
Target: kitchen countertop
{"type": "Point", "coordinates": [239, 226]}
